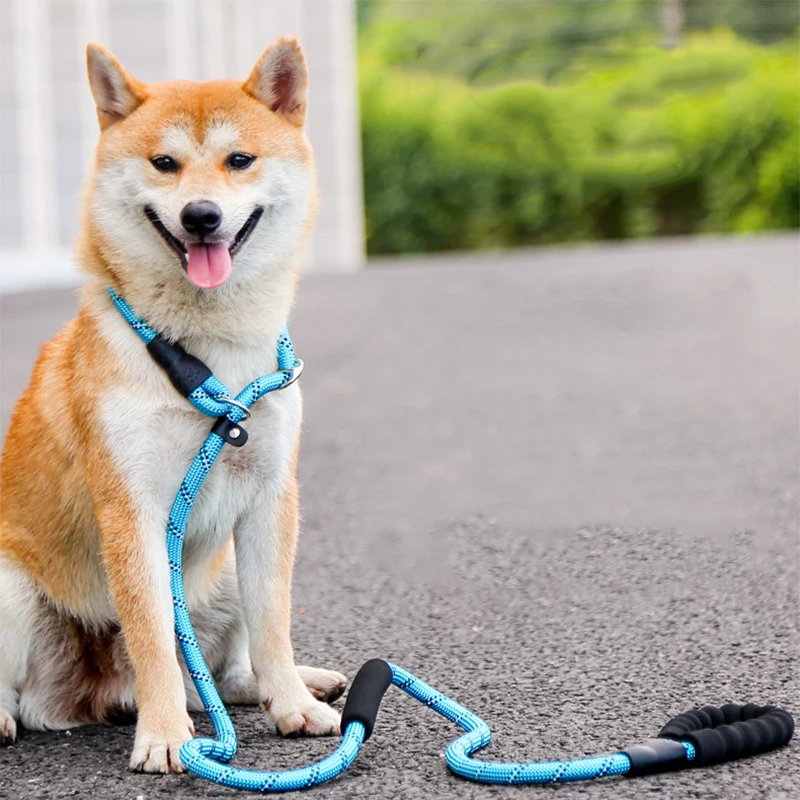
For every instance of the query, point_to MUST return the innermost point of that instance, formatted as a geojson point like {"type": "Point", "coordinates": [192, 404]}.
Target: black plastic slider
{"type": "Point", "coordinates": [232, 432]}
{"type": "Point", "coordinates": [185, 371]}
{"type": "Point", "coordinates": [365, 695]}
{"type": "Point", "coordinates": [655, 755]}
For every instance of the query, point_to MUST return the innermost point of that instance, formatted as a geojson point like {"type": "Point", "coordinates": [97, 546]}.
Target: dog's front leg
{"type": "Point", "coordinates": [135, 556]}
{"type": "Point", "coordinates": [266, 541]}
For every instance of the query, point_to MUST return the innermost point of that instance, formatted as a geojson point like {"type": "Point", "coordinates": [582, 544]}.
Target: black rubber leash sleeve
{"type": "Point", "coordinates": [655, 755]}
{"type": "Point", "coordinates": [185, 371]}
{"type": "Point", "coordinates": [733, 731]}
{"type": "Point", "coordinates": [365, 695]}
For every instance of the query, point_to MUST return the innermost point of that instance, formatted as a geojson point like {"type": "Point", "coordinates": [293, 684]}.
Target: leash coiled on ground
{"type": "Point", "coordinates": [702, 736]}
{"type": "Point", "coordinates": [697, 738]}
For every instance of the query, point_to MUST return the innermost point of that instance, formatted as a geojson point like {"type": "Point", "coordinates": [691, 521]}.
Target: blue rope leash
{"type": "Point", "coordinates": [459, 751]}
{"type": "Point", "coordinates": [208, 758]}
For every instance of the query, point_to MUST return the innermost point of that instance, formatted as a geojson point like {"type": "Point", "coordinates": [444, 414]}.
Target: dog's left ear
{"type": "Point", "coordinates": [280, 80]}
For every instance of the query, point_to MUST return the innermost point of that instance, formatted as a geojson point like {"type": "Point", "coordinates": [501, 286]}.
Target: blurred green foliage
{"type": "Point", "coordinates": [486, 41]}
{"type": "Point", "coordinates": [488, 147]}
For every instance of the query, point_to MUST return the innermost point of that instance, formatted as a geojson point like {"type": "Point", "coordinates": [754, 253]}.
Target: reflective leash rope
{"type": "Point", "coordinates": [702, 736]}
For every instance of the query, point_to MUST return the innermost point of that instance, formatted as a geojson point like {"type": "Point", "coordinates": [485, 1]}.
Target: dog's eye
{"type": "Point", "coordinates": [239, 160]}
{"type": "Point", "coordinates": [165, 163]}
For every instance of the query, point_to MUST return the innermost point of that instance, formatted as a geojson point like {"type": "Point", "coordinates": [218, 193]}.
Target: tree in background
{"type": "Point", "coordinates": [671, 18]}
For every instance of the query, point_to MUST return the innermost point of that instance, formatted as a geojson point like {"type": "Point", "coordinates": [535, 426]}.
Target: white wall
{"type": "Point", "coordinates": [48, 126]}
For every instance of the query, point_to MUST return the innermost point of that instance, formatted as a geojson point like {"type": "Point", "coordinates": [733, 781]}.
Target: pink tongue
{"type": "Point", "coordinates": [209, 264]}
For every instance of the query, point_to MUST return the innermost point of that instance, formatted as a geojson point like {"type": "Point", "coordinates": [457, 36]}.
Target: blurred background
{"type": "Point", "coordinates": [441, 124]}
{"type": "Point", "coordinates": [503, 123]}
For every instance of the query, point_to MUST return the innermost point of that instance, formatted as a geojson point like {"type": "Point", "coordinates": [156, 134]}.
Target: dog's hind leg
{"type": "Point", "coordinates": [221, 633]}
{"type": "Point", "coordinates": [237, 683]}
{"type": "Point", "coordinates": [18, 606]}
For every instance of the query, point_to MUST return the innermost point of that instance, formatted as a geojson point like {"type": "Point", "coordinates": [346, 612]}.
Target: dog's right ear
{"type": "Point", "coordinates": [115, 91]}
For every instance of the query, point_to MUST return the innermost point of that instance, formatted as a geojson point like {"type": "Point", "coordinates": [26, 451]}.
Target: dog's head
{"type": "Point", "coordinates": [201, 188]}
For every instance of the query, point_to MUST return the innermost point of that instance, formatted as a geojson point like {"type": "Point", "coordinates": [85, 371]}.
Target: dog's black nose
{"type": "Point", "coordinates": [201, 218]}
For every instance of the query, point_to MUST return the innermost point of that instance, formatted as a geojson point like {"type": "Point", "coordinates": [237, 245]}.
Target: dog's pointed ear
{"type": "Point", "coordinates": [280, 80]}
{"type": "Point", "coordinates": [115, 91]}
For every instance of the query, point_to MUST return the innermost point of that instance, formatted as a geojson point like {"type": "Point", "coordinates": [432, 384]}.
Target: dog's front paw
{"type": "Point", "coordinates": [8, 728]}
{"type": "Point", "coordinates": [312, 718]}
{"type": "Point", "coordinates": [156, 751]}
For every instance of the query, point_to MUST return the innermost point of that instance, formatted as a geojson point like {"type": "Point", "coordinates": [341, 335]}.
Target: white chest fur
{"type": "Point", "coordinates": [154, 434]}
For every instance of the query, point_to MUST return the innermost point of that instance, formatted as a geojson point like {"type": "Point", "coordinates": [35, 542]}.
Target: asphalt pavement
{"type": "Point", "coordinates": [561, 486]}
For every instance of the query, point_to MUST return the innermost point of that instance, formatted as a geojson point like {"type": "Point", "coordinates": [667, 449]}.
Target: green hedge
{"type": "Point", "coordinates": [701, 139]}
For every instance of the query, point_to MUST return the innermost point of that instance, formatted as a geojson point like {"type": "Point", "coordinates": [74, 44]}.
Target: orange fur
{"type": "Point", "coordinates": [49, 524]}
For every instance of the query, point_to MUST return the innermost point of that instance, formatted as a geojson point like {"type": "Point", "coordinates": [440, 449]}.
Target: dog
{"type": "Point", "coordinates": [197, 211]}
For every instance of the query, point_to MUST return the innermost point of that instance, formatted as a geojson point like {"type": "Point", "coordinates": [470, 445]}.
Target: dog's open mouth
{"type": "Point", "coordinates": [207, 264]}
{"type": "Point", "coordinates": [244, 232]}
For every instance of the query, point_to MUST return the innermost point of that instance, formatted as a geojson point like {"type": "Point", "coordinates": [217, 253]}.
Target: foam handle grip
{"type": "Point", "coordinates": [365, 695]}
{"type": "Point", "coordinates": [733, 731]}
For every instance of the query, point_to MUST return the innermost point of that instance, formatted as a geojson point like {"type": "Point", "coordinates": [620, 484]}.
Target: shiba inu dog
{"type": "Point", "coordinates": [197, 212]}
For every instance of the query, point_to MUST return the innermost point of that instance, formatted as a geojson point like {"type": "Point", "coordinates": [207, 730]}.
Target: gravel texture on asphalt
{"type": "Point", "coordinates": [560, 486]}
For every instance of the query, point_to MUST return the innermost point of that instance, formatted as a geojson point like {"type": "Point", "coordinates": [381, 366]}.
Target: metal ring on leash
{"type": "Point", "coordinates": [231, 402]}
{"type": "Point", "coordinates": [294, 373]}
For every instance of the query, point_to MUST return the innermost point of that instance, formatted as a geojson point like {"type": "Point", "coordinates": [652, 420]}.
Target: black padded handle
{"type": "Point", "coordinates": [733, 731]}
{"type": "Point", "coordinates": [365, 695]}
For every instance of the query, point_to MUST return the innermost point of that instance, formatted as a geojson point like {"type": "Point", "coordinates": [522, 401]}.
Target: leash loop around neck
{"type": "Point", "coordinates": [196, 382]}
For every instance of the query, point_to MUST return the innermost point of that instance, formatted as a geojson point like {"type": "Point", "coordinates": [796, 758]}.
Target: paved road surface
{"type": "Point", "coordinates": [562, 487]}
